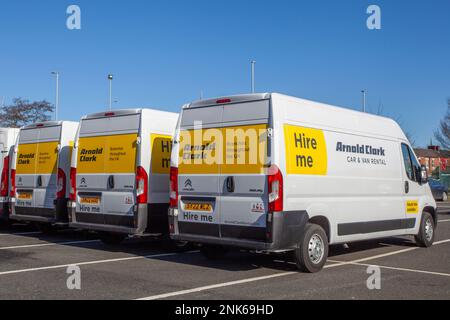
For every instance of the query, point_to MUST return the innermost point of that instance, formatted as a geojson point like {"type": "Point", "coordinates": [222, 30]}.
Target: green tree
{"type": "Point", "coordinates": [23, 112]}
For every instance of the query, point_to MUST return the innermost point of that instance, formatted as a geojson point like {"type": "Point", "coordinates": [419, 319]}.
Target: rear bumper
{"type": "Point", "coordinates": [142, 223]}
{"type": "Point", "coordinates": [284, 230]}
{"type": "Point", "coordinates": [57, 215]}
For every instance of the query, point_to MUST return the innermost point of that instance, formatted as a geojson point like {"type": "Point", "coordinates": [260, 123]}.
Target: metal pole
{"type": "Point", "coordinates": [253, 76]}
{"type": "Point", "coordinates": [364, 100]}
{"type": "Point", "coordinates": [57, 95]}
{"type": "Point", "coordinates": [110, 78]}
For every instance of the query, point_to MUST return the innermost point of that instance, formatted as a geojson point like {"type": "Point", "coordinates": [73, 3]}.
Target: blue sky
{"type": "Point", "coordinates": [163, 53]}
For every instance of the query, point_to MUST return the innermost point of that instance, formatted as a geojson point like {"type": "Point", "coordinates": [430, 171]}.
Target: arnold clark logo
{"type": "Point", "coordinates": [358, 151]}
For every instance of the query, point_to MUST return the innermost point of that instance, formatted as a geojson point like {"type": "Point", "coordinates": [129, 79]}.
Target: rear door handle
{"type": "Point", "coordinates": [230, 184]}
{"type": "Point", "coordinates": [111, 182]}
{"type": "Point", "coordinates": [39, 181]}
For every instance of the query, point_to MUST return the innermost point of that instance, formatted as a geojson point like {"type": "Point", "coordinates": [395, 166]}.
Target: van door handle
{"type": "Point", "coordinates": [39, 181]}
{"type": "Point", "coordinates": [406, 187]}
{"type": "Point", "coordinates": [111, 182]}
{"type": "Point", "coordinates": [230, 184]}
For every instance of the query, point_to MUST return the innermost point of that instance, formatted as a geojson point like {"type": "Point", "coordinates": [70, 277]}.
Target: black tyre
{"type": "Point", "coordinates": [47, 228]}
{"type": "Point", "coordinates": [112, 238]}
{"type": "Point", "coordinates": [213, 252]}
{"type": "Point", "coordinates": [427, 231]}
{"type": "Point", "coordinates": [312, 252]}
{"type": "Point", "coordinates": [177, 246]}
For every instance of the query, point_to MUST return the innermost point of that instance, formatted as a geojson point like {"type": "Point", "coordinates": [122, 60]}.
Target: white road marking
{"type": "Point", "coordinates": [440, 221]}
{"type": "Point", "coordinates": [92, 262]}
{"type": "Point", "coordinates": [49, 244]}
{"type": "Point", "coordinates": [398, 269]}
{"type": "Point", "coordinates": [278, 275]}
{"type": "Point", "coordinates": [19, 234]}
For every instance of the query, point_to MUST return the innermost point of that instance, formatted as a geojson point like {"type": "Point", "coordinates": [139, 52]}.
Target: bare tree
{"type": "Point", "coordinates": [23, 112]}
{"type": "Point", "coordinates": [398, 119]}
{"type": "Point", "coordinates": [443, 134]}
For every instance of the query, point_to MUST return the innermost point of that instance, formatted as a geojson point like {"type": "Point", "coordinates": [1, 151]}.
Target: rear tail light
{"type": "Point", "coordinates": [61, 184]}
{"type": "Point", "coordinates": [109, 114]}
{"type": "Point", "coordinates": [5, 178]}
{"type": "Point", "coordinates": [275, 179]}
{"type": "Point", "coordinates": [174, 187]}
{"type": "Point", "coordinates": [73, 184]}
{"type": "Point", "coordinates": [141, 186]}
{"type": "Point", "coordinates": [13, 184]}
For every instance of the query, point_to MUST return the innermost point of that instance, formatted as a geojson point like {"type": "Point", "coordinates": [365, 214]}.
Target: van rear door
{"type": "Point", "coordinates": [236, 183]}
{"type": "Point", "coordinates": [106, 166]}
{"type": "Point", "coordinates": [37, 166]}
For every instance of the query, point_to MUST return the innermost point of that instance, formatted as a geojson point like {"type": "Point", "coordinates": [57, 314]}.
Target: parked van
{"type": "Point", "coordinates": [120, 173]}
{"type": "Point", "coordinates": [40, 175]}
{"type": "Point", "coordinates": [8, 138]}
{"type": "Point", "coordinates": [272, 173]}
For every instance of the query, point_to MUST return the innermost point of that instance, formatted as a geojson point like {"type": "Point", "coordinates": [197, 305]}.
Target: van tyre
{"type": "Point", "coordinates": [112, 238]}
{"type": "Point", "coordinates": [312, 251]}
{"type": "Point", "coordinates": [213, 252]}
{"type": "Point", "coordinates": [427, 232]}
{"type": "Point", "coordinates": [47, 228]}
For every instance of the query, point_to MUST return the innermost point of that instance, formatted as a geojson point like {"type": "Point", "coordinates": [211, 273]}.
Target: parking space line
{"type": "Point", "coordinates": [163, 255]}
{"type": "Point", "coordinates": [49, 244]}
{"type": "Point", "coordinates": [278, 275]}
{"type": "Point", "coordinates": [440, 221]}
{"type": "Point", "coordinates": [397, 269]}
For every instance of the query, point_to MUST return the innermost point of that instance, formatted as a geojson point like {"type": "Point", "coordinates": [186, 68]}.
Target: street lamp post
{"type": "Point", "coordinates": [110, 78]}
{"type": "Point", "coordinates": [253, 75]}
{"type": "Point", "coordinates": [364, 93]}
{"type": "Point", "coordinates": [56, 74]}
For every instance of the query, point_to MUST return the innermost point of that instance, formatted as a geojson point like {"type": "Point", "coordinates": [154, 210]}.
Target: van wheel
{"type": "Point", "coordinates": [177, 246]}
{"type": "Point", "coordinates": [112, 238]}
{"type": "Point", "coordinates": [46, 228]}
{"type": "Point", "coordinates": [312, 252]}
{"type": "Point", "coordinates": [213, 252]}
{"type": "Point", "coordinates": [427, 233]}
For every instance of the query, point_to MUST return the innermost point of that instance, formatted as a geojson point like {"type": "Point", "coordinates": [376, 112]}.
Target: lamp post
{"type": "Point", "coordinates": [253, 75]}
{"type": "Point", "coordinates": [56, 74]}
{"type": "Point", "coordinates": [110, 78]}
{"type": "Point", "coordinates": [364, 92]}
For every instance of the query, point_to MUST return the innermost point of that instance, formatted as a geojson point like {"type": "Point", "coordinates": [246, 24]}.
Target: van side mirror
{"type": "Point", "coordinates": [424, 175]}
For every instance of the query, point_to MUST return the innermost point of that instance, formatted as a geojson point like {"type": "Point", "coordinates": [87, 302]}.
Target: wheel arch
{"type": "Point", "coordinates": [324, 223]}
{"type": "Point", "coordinates": [433, 212]}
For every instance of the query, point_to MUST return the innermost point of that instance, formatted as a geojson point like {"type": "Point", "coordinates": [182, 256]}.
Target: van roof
{"type": "Point", "coordinates": [123, 112]}
{"type": "Point", "coordinates": [45, 124]}
{"type": "Point", "coordinates": [367, 123]}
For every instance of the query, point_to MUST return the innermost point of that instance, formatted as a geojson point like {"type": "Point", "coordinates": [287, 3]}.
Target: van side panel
{"type": "Point", "coordinates": [353, 178]}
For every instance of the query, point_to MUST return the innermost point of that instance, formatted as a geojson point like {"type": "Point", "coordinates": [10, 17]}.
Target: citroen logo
{"type": "Point", "coordinates": [188, 184]}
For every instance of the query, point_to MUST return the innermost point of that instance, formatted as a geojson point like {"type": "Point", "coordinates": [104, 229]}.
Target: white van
{"type": "Point", "coordinates": [8, 138]}
{"type": "Point", "coordinates": [273, 173]}
{"type": "Point", "coordinates": [40, 176]}
{"type": "Point", "coordinates": [120, 173]}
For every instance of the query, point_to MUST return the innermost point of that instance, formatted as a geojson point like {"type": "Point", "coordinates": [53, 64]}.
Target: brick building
{"type": "Point", "coordinates": [434, 158]}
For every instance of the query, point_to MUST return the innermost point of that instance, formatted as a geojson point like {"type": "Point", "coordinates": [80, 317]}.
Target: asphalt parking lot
{"type": "Point", "coordinates": [34, 266]}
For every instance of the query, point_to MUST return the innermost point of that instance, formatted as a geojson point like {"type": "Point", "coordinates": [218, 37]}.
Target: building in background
{"type": "Point", "coordinates": [434, 159]}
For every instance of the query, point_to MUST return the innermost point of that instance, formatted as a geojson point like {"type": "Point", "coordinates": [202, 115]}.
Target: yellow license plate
{"type": "Point", "coordinates": [25, 196]}
{"type": "Point", "coordinates": [201, 207]}
{"type": "Point", "coordinates": [93, 201]}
